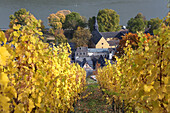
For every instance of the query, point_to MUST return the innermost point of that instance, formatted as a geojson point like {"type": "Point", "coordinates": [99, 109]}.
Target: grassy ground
{"type": "Point", "coordinates": [94, 103]}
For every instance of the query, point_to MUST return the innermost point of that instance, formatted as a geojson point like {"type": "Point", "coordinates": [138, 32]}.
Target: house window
{"type": "Point", "coordinates": [102, 43]}
{"type": "Point", "coordinates": [77, 54]}
{"type": "Point", "coordinates": [80, 53]}
{"type": "Point", "coordinates": [83, 53]}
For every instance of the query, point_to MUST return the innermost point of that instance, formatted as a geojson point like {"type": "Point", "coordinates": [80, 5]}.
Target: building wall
{"type": "Point", "coordinates": [102, 43]}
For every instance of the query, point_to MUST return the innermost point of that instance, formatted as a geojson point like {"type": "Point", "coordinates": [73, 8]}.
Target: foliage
{"type": "Point", "coordinates": [140, 81]}
{"type": "Point", "coordinates": [59, 36]}
{"type": "Point", "coordinates": [23, 17]}
{"type": "Point", "coordinates": [133, 39]}
{"type": "Point", "coordinates": [154, 24]}
{"type": "Point", "coordinates": [74, 20]}
{"type": "Point", "coordinates": [91, 23]}
{"type": "Point", "coordinates": [65, 12]}
{"type": "Point", "coordinates": [35, 77]}
{"type": "Point", "coordinates": [167, 20]}
{"type": "Point", "coordinates": [19, 16]}
{"type": "Point", "coordinates": [81, 37]}
{"type": "Point", "coordinates": [137, 24]}
{"type": "Point", "coordinates": [57, 20]}
{"type": "Point", "coordinates": [108, 20]}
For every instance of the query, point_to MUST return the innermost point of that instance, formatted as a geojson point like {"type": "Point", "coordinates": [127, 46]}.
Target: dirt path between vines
{"type": "Point", "coordinates": [94, 103]}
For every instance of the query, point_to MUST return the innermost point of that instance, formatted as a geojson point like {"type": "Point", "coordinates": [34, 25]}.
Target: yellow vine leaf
{"type": "Point", "coordinates": [31, 105]}
{"type": "Point", "coordinates": [3, 55]}
{"type": "Point", "coordinates": [147, 88]}
{"type": "Point", "coordinates": [4, 102]}
{"type": "Point", "coordinates": [17, 27]}
{"type": "Point", "coordinates": [19, 108]}
{"type": "Point", "coordinates": [3, 79]}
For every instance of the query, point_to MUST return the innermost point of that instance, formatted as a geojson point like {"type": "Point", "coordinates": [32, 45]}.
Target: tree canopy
{"type": "Point", "coordinates": [57, 20]}
{"type": "Point", "coordinates": [108, 20]}
{"type": "Point", "coordinates": [81, 37]}
{"type": "Point", "coordinates": [59, 36]}
{"type": "Point", "coordinates": [133, 39]}
{"type": "Point", "coordinates": [19, 16]}
{"type": "Point", "coordinates": [138, 23]}
{"type": "Point", "coordinates": [73, 20]}
{"type": "Point", "coordinates": [154, 24]}
{"type": "Point", "coordinates": [23, 17]}
{"type": "Point", "coordinates": [91, 22]}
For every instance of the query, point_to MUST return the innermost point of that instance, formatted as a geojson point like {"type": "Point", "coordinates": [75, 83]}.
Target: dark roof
{"type": "Point", "coordinates": [101, 61]}
{"type": "Point", "coordinates": [96, 36]}
{"type": "Point", "coordinates": [117, 34]}
{"type": "Point", "coordinates": [109, 34]}
{"type": "Point", "coordinates": [120, 34]}
{"type": "Point", "coordinates": [111, 43]}
{"type": "Point", "coordinates": [82, 63]}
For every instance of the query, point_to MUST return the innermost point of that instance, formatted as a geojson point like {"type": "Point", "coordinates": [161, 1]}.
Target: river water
{"type": "Point", "coordinates": [88, 8]}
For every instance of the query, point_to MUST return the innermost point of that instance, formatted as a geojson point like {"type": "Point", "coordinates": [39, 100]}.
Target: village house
{"type": "Point", "coordinates": [106, 39]}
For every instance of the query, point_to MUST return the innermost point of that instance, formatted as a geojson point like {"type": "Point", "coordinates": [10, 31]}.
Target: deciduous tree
{"type": "Point", "coordinates": [73, 20]}
{"type": "Point", "coordinates": [108, 20]}
{"type": "Point", "coordinates": [133, 39]}
{"type": "Point", "coordinates": [57, 20]}
{"type": "Point", "coordinates": [81, 37]}
{"type": "Point", "coordinates": [138, 23]}
{"type": "Point", "coordinates": [23, 17]}
{"type": "Point", "coordinates": [91, 22]}
{"type": "Point", "coordinates": [59, 36]}
{"type": "Point", "coordinates": [154, 24]}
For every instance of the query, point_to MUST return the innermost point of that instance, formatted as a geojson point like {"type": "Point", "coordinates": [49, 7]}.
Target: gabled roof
{"type": "Point", "coordinates": [83, 62]}
{"type": "Point", "coordinates": [101, 61]}
{"type": "Point", "coordinates": [109, 34]}
{"type": "Point", "coordinates": [117, 34]}
{"type": "Point", "coordinates": [111, 43]}
{"type": "Point", "coordinates": [96, 36]}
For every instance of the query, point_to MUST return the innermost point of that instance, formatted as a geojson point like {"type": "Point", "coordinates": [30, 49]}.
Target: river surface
{"type": "Point", "coordinates": [88, 8]}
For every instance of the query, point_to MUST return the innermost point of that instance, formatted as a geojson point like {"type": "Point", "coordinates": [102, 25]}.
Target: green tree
{"type": "Point", "coordinates": [154, 24]}
{"type": "Point", "coordinates": [108, 20]}
{"type": "Point", "coordinates": [73, 20]}
{"type": "Point", "coordinates": [138, 23]}
{"type": "Point", "coordinates": [91, 22]}
{"type": "Point", "coordinates": [81, 37]}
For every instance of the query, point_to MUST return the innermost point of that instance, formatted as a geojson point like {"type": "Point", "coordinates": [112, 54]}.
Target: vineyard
{"type": "Point", "coordinates": [35, 77]}
{"type": "Point", "coordinates": [140, 79]}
